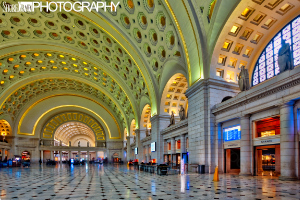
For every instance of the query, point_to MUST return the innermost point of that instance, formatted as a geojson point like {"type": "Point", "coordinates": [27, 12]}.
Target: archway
{"type": "Point", "coordinates": [5, 130]}
{"type": "Point", "coordinates": [173, 96]}
{"type": "Point", "coordinates": [75, 134]}
{"type": "Point", "coordinates": [145, 122]}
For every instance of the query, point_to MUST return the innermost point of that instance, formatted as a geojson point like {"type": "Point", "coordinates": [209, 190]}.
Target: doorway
{"type": "Point", "coordinates": [268, 160]}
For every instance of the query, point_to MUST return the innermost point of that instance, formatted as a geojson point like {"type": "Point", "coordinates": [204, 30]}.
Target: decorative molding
{"type": "Point", "coordinates": [177, 126]}
{"type": "Point", "coordinates": [267, 88]}
{"type": "Point", "coordinates": [146, 139]}
{"type": "Point", "coordinates": [210, 82]}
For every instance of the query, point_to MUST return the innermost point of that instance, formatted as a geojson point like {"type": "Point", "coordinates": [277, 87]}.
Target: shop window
{"type": "Point", "coordinates": [268, 127]}
{"type": "Point", "coordinates": [178, 146]}
{"type": "Point", "coordinates": [187, 142]}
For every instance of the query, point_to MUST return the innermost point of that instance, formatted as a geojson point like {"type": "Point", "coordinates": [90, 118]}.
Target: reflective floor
{"type": "Point", "coordinates": [120, 182]}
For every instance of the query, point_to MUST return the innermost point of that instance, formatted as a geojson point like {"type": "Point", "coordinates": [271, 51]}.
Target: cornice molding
{"type": "Point", "coordinates": [277, 84]}
{"type": "Point", "coordinates": [198, 86]}
{"type": "Point", "coordinates": [179, 125]}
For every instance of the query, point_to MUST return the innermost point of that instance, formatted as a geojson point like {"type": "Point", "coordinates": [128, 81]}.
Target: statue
{"type": "Point", "coordinates": [79, 144]}
{"type": "Point", "coordinates": [60, 143]}
{"type": "Point", "coordinates": [88, 144]}
{"type": "Point", "coordinates": [244, 79]}
{"type": "Point", "coordinates": [69, 143]}
{"type": "Point", "coordinates": [134, 139]}
{"type": "Point", "coordinates": [41, 142]}
{"type": "Point", "coordinates": [147, 132]}
{"type": "Point", "coordinates": [285, 57]}
{"type": "Point", "coordinates": [172, 119]}
{"type": "Point", "coordinates": [181, 113]}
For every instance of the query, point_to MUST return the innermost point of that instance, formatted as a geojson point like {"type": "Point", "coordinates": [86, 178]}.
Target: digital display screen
{"type": "Point", "coordinates": [136, 151]}
{"type": "Point", "coordinates": [153, 146]}
{"type": "Point", "coordinates": [232, 133]}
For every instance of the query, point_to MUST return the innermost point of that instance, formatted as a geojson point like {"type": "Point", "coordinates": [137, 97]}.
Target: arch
{"type": "Point", "coordinates": [226, 98]}
{"type": "Point", "coordinates": [132, 128]}
{"type": "Point", "coordinates": [266, 66]}
{"type": "Point", "coordinates": [145, 123]}
{"type": "Point", "coordinates": [5, 128]}
{"type": "Point", "coordinates": [69, 131]}
{"type": "Point", "coordinates": [58, 122]}
{"type": "Point", "coordinates": [173, 96]}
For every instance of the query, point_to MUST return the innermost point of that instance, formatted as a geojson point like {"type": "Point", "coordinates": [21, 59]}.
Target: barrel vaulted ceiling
{"type": "Point", "coordinates": [114, 58]}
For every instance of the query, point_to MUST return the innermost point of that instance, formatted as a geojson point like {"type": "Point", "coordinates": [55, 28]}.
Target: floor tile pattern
{"type": "Point", "coordinates": [121, 182]}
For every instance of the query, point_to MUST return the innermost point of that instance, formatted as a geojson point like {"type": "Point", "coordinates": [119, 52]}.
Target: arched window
{"type": "Point", "coordinates": [266, 66]}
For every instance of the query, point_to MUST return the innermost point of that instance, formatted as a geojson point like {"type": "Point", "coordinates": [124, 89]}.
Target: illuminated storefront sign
{"type": "Point", "coordinates": [232, 133]}
{"type": "Point", "coordinates": [267, 133]}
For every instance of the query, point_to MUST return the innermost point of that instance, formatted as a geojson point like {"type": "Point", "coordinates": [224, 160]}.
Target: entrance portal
{"type": "Point", "coordinates": [268, 160]}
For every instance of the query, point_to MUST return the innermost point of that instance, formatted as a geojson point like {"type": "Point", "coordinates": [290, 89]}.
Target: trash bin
{"type": "Point", "coordinates": [201, 169]}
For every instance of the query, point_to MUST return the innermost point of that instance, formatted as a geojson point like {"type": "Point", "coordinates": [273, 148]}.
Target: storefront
{"type": "Point", "coordinates": [232, 136]}
{"type": "Point", "coordinates": [267, 147]}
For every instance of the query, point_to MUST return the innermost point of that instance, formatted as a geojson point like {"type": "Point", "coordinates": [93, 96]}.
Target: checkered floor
{"type": "Point", "coordinates": [120, 182]}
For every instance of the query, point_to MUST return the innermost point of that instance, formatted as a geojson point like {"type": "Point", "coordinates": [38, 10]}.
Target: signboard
{"type": "Point", "coordinates": [153, 146]}
{"type": "Point", "coordinates": [232, 133]}
{"type": "Point", "coordinates": [266, 142]}
{"type": "Point", "coordinates": [229, 145]}
{"type": "Point", "coordinates": [135, 150]}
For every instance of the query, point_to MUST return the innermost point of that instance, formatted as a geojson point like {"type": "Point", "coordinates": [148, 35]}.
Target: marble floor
{"type": "Point", "coordinates": [120, 182]}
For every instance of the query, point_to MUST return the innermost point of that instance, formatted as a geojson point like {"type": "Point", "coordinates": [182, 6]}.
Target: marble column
{"type": "Point", "coordinates": [138, 144]}
{"type": "Point", "coordinates": [245, 161]}
{"type": "Point", "coordinates": [96, 156]}
{"type": "Point", "coordinates": [70, 155]}
{"type": "Point", "coordinates": [287, 143]}
{"type": "Point", "coordinates": [60, 156]}
{"type": "Point", "coordinates": [149, 152]}
{"type": "Point", "coordinates": [219, 152]}
{"type": "Point", "coordinates": [158, 123]}
{"type": "Point", "coordinates": [128, 155]}
{"type": "Point", "coordinates": [51, 155]}
{"type": "Point", "coordinates": [88, 156]}
{"type": "Point", "coordinates": [42, 156]}
{"type": "Point", "coordinates": [173, 146]}
{"type": "Point", "coordinates": [182, 146]}
{"type": "Point", "coordinates": [3, 154]}
{"type": "Point", "coordinates": [79, 154]}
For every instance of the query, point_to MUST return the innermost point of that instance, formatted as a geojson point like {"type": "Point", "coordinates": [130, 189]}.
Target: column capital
{"type": "Point", "coordinates": [245, 116]}
{"type": "Point", "coordinates": [287, 104]}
